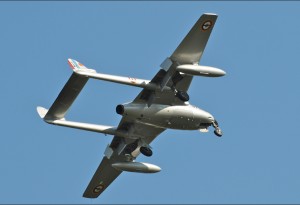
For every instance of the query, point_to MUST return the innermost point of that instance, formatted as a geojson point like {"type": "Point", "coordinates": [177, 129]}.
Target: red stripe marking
{"type": "Point", "coordinates": [70, 64]}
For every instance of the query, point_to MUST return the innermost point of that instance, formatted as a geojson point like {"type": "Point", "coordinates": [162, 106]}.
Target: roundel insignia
{"type": "Point", "coordinates": [98, 188]}
{"type": "Point", "coordinates": [206, 25]}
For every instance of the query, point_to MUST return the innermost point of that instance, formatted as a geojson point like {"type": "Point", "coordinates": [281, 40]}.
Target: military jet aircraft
{"type": "Point", "coordinates": [162, 104]}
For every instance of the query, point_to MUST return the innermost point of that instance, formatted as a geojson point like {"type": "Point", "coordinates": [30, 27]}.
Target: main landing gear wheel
{"type": "Point", "coordinates": [183, 96]}
{"type": "Point", "coordinates": [146, 151]}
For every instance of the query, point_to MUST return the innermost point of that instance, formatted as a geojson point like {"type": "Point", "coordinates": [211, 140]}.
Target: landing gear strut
{"type": "Point", "coordinates": [217, 130]}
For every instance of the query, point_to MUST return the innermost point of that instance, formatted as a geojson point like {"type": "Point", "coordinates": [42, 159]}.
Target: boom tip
{"type": "Point", "coordinates": [75, 65]}
{"type": "Point", "coordinates": [41, 111]}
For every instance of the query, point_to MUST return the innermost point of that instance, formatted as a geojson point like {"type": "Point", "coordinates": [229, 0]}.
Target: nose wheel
{"type": "Point", "coordinates": [217, 130]}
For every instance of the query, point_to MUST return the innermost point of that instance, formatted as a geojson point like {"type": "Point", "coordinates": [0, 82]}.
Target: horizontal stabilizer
{"type": "Point", "coordinates": [66, 97]}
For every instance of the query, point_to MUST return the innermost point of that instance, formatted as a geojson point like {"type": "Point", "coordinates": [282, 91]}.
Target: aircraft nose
{"type": "Point", "coordinates": [204, 116]}
{"type": "Point", "coordinates": [209, 117]}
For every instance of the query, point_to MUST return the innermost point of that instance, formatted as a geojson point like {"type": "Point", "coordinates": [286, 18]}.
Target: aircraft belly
{"type": "Point", "coordinates": [171, 118]}
{"type": "Point", "coordinates": [165, 116]}
{"type": "Point", "coordinates": [183, 121]}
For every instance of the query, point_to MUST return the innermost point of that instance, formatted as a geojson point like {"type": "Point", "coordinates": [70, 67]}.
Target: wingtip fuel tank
{"type": "Point", "coordinates": [141, 167]}
{"type": "Point", "coordinates": [201, 70]}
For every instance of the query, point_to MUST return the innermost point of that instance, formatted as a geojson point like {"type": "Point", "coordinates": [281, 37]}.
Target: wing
{"type": "Point", "coordinates": [189, 51]}
{"type": "Point", "coordinates": [192, 46]}
{"type": "Point", "coordinates": [120, 148]}
{"type": "Point", "coordinates": [103, 177]}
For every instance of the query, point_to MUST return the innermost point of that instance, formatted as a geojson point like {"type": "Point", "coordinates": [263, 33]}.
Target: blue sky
{"type": "Point", "coordinates": [256, 103]}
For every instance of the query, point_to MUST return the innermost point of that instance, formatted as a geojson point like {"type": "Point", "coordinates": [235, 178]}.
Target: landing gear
{"type": "Point", "coordinates": [146, 151]}
{"type": "Point", "coordinates": [217, 130]}
{"type": "Point", "coordinates": [182, 95]}
{"type": "Point", "coordinates": [131, 147]}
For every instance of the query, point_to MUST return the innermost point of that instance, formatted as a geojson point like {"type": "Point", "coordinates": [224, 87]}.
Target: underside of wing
{"type": "Point", "coordinates": [165, 97]}
{"type": "Point", "coordinates": [103, 177]}
{"type": "Point", "coordinates": [189, 52]}
{"type": "Point", "coordinates": [120, 150]}
{"type": "Point", "coordinates": [143, 134]}
{"type": "Point", "coordinates": [192, 46]}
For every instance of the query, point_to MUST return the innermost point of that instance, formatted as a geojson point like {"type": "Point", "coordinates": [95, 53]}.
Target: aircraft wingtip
{"type": "Point", "coordinates": [41, 111]}
{"type": "Point", "coordinates": [211, 14]}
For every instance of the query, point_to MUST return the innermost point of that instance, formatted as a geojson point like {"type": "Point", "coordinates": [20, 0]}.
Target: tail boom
{"type": "Point", "coordinates": [77, 125]}
{"type": "Point", "coordinates": [109, 130]}
{"type": "Point", "coordinates": [81, 70]}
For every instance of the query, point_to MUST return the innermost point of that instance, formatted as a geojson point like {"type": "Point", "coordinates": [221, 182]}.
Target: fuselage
{"type": "Point", "coordinates": [182, 117]}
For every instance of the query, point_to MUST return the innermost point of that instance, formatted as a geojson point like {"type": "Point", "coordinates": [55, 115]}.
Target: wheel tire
{"type": "Point", "coordinates": [146, 151]}
{"type": "Point", "coordinates": [218, 132]}
{"type": "Point", "coordinates": [183, 96]}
